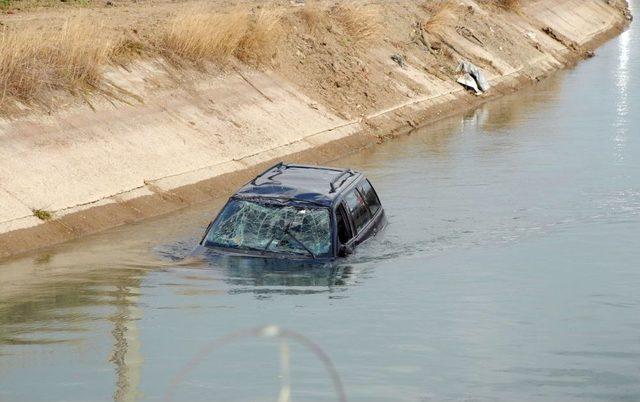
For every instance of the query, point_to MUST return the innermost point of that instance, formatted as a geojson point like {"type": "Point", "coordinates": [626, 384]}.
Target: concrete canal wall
{"type": "Point", "coordinates": [85, 169]}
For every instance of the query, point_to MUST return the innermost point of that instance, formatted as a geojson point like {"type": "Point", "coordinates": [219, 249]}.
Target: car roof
{"type": "Point", "coordinates": [303, 183]}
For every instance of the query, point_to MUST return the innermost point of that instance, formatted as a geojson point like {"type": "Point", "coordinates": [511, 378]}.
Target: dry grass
{"type": "Point", "coordinates": [262, 38]}
{"type": "Point", "coordinates": [66, 58]}
{"type": "Point", "coordinates": [313, 16]}
{"type": "Point", "coordinates": [512, 5]}
{"type": "Point", "coordinates": [34, 61]}
{"type": "Point", "coordinates": [361, 22]}
{"type": "Point", "coordinates": [127, 49]}
{"type": "Point", "coordinates": [206, 35]}
{"type": "Point", "coordinates": [441, 16]}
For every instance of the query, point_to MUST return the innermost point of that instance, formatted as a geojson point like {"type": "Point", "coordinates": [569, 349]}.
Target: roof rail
{"type": "Point", "coordinates": [347, 173]}
{"type": "Point", "coordinates": [278, 166]}
{"type": "Point", "coordinates": [293, 165]}
{"type": "Point", "coordinates": [281, 166]}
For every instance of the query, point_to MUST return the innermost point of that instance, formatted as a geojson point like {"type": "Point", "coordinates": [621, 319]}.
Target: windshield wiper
{"type": "Point", "coordinates": [286, 231]}
{"type": "Point", "coordinates": [286, 228]}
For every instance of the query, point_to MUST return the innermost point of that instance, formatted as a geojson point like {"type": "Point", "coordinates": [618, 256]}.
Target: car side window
{"type": "Point", "coordinates": [370, 197]}
{"type": "Point", "coordinates": [358, 208]}
{"type": "Point", "coordinates": [344, 228]}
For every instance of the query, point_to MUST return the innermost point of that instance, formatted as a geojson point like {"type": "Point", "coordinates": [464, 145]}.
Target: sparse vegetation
{"type": "Point", "coordinates": [34, 61]}
{"type": "Point", "coordinates": [197, 35]}
{"type": "Point", "coordinates": [39, 61]}
{"type": "Point", "coordinates": [206, 35]}
{"type": "Point", "coordinates": [441, 16]}
{"type": "Point", "coordinates": [261, 39]}
{"type": "Point", "coordinates": [313, 15]}
{"type": "Point", "coordinates": [42, 214]}
{"type": "Point", "coordinates": [64, 58]}
{"type": "Point", "coordinates": [127, 49]}
{"type": "Point", "coordinates": [361, 22]}
{"type": "Point", "coordinates": [511, 5]}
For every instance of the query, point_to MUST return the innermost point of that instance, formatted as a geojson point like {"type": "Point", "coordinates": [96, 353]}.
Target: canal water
{"type": "Point", "coordinates": [510, 270]}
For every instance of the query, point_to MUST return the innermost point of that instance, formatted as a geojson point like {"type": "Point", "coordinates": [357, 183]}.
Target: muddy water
{"type": "Point", "coordinates": [509, 271]}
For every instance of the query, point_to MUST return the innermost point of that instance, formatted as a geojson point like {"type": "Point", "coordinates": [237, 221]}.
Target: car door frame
{"type": "Point", "coordinates": [371, 228]}
{"type": "Point", "coordinates": [349, 221]}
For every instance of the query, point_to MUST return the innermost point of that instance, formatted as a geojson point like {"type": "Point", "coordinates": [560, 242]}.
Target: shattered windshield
{"type": "Point", "coordinates": [272, 227]}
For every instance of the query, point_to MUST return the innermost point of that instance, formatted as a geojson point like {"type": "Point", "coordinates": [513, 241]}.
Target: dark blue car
{"type": "Point", "coordinates": [298, 211]}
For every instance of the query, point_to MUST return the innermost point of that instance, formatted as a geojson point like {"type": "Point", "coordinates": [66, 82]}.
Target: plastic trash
{"type": "Point", "coordinates": [469, 82]}
{"type": "Point", "coordinates": [472, 73]}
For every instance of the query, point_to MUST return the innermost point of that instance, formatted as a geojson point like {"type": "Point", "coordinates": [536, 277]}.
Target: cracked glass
{"type": "Point", "coordinates": [273, 227]}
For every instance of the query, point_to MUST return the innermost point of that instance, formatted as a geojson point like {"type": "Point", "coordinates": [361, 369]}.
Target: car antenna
{"type": "Point", "coordinates": [347, 173]}
{"type": "Point", "coordinates": [278, 166]}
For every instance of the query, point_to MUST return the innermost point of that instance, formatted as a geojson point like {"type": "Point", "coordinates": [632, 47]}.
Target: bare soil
{"type": "Point", "coordinates": [352, 76]}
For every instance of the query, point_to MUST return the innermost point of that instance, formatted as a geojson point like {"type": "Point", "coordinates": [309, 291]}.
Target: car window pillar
{"type": "Point", "coordinates": [349, 226]}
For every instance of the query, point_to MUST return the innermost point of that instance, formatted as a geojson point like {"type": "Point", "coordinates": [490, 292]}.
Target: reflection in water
{"type": "Point", "coordinates": [504, 115]}
{"type": "Point", "coordinates": [622, 75]}
{"type": "Point", "coordinates": [495, 117]}
{"type": "Point", "coordinates": [126, 347]}
{"type": "Point", "coordinates": [49, 302]}
{"type": "Point", "coordinates": [266, 277]}
{"type": "Point", "coordinates": [50, 305]}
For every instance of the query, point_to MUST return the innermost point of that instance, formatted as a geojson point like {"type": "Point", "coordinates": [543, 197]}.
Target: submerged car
{"type": "Point", "coordinates": [298, 211]}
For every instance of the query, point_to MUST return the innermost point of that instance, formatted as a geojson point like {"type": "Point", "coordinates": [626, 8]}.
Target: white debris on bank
{"type": "Point", "coordinates": [472, 77]}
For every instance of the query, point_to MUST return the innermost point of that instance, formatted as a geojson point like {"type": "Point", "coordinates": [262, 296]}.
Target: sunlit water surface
{"type": "Point", "coordinates": [509, 271]}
